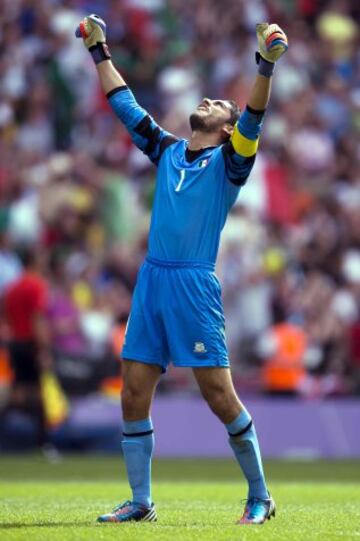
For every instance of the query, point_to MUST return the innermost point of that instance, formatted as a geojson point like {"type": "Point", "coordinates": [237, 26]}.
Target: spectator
{"type": "Point", "coordinates": [25, 305]}
{"type": "Point", "coordinates": [290, 251]}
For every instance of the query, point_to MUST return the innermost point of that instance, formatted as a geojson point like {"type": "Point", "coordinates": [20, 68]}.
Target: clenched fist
{"type": "Point", "coordinates": [273, 42]}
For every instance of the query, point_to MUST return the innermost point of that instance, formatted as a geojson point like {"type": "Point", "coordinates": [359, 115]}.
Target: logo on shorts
{"type": "Point", "coordinates": [199, 348]}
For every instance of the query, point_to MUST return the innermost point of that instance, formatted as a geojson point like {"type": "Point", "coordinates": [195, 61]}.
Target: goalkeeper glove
{"type": "Point", "coordinates": [93, 31]}
{"type": "Point", "coordinates": [273, 44]}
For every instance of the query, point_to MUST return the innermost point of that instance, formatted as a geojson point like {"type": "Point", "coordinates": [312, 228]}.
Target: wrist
{"type": "Point", "coordinates": [265, 68]}
{"type": "Point", "coordinates": [100, 52]}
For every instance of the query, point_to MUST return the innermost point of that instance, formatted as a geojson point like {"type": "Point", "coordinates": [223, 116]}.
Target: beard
{"type": "Point", "coordinates": [204, 123]}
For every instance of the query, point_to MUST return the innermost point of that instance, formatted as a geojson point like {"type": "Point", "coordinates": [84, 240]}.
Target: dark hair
{"type": "Point", "coordinates": [235, 112]}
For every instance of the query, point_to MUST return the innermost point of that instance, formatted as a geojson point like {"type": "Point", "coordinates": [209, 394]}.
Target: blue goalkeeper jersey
{"type": "Point", "coordinates": [194, 190]}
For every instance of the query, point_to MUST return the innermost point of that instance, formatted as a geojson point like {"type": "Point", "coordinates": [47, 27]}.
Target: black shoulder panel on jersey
{"type": "Point", "coordinates": [227, 149]}
{"type": "Point", "coordinates": [144, 127]}
{"type": "Point", "coordinates": [228, 152]}
{"type": "Point", "coordinates": [152, 133]}
{"type": "Point", "coordinates": [153, 139]}
{"type": "Point", "coordinates": [166, 142]}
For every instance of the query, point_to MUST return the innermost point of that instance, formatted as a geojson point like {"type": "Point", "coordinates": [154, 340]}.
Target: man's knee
{"type": "Point", "coordinates": [140, 381]}
{"type": "Point", "coordinates": [131, 399]}
{"type": "Point", "coordinates": [222, 402]}
{"type": "Point", "coordinates": [217, 400]}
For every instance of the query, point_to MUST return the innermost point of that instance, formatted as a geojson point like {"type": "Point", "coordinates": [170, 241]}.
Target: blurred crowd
{"type": "Point", "coordinates": [76, 193]}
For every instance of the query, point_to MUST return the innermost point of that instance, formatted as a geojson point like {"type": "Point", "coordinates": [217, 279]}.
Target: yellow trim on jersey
{"type": "Point", "coordinates": [242, 145]}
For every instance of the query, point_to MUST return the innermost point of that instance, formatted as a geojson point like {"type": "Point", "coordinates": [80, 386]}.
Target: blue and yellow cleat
{"type": "Point", "coordinates": [130, 511]}
{"type": "Point", "coordinates": [257, 511]}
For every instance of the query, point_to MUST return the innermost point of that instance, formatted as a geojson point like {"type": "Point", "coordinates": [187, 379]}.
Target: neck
{"type": "Point", "coordinates": [199, 140]}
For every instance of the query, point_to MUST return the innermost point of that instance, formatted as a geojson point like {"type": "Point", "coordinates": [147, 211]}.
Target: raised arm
{"type": "Point", "coordinates": [144, 131]}
{"type": "Point", "coordinates": [241, 150]}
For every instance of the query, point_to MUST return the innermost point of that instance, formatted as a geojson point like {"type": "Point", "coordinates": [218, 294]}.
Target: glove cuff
{"type": "Point", "coordinates": [100, 52]}
{"type": "Point", "coordinates": [266, 68]}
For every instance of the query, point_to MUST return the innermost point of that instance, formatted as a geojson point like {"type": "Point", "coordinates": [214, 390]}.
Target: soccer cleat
{"type": "Point", "coordinates": [257, 511]}
{"type": "Point", "coordinates": [130, 511]}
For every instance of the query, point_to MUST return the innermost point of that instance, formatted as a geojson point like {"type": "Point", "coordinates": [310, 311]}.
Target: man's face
{"type": "Point", "coordinates": [210, 115]}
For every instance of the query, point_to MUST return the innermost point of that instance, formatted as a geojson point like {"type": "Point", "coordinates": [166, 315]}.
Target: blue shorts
{"type": "Point", "coordinates": [176, 316]}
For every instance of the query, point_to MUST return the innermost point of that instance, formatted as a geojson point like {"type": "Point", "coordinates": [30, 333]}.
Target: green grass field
{"type": "Point", "coordinates": [196, 500]}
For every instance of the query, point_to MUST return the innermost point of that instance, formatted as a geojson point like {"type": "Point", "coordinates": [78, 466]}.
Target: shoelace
{"type": "Point", "coordinates": [121, 506]}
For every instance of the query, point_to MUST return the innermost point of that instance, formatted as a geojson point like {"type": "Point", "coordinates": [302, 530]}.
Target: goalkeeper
{"type": "Point", "coordinates": [177, 313]}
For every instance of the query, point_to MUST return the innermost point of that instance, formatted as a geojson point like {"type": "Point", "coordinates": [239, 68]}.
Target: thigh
{"type": "Point", "coordinates": [214, 379]}
{"type": "Point", "coordinates": [140, 377]}
{"type": "Point", "coordinates": [194, 320]}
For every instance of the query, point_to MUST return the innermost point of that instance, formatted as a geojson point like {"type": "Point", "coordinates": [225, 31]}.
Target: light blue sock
{"type": "Point", "coordinates": [137, 445]}
{"type": "Point", "coordinates": [245, 445]}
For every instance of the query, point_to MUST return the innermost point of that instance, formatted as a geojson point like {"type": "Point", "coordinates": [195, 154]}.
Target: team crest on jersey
{"type": "Point", "coordinates": [199, 347]}
{"type": "Point", "coordinates": [203, 163]}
